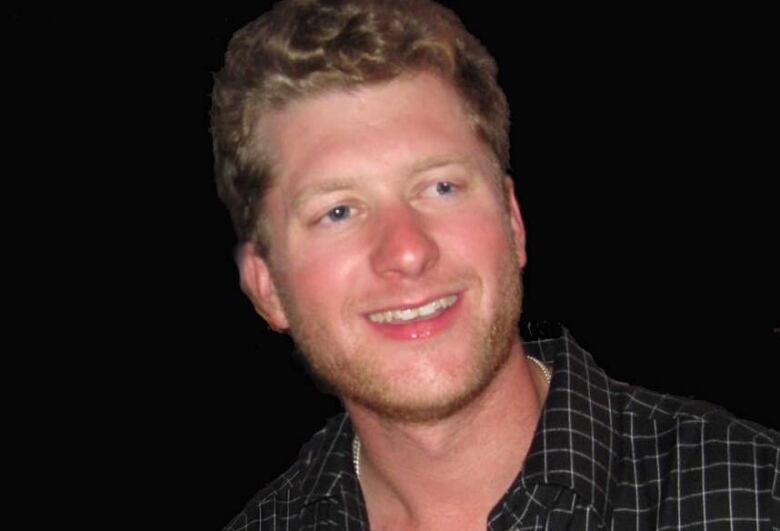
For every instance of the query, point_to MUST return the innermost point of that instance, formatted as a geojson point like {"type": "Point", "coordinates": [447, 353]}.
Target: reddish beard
{"type": "Point", "coordinates": [352, 374]}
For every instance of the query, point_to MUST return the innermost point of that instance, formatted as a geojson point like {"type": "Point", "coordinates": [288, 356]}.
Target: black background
{"type": "Point", "coordinates": [644, 151]}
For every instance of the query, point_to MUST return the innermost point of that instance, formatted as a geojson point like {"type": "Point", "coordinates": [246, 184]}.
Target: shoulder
{"type": "Point", "coordinates": [631, 451]}
{"type": "Point", "coordinates": [676, 452]}
{"type": "Point", "coordinates": [282, 499]}
{"type": "Point", "coordinates": [634, 409]}
{"type": "Point", "coordinates": [693, 421]}
{"type": "Point", "coordinates": [692, 446]}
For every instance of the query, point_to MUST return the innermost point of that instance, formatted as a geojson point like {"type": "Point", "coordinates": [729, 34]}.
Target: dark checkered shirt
{"type": "Point", "coordinates": [606, 455]}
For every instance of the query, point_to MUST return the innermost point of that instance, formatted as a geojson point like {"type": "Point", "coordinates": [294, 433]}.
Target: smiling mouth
{"type": "Point", "coordinates": [425, 311]}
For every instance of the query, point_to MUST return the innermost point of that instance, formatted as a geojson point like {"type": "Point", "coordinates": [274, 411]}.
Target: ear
{"type": "Point", "coordinates": [258, 284]}
{"type": "Point", "coordinates": [515, 220]}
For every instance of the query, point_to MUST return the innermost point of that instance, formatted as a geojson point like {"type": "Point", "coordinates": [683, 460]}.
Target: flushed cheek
{"type": "Point", "coordinates": [322, 278]}
{"type": "Point", "coordinates": [479, 239]}
{"type": "Point", "coordinates": [484, 246]}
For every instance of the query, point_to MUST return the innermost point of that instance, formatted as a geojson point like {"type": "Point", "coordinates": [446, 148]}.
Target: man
{"type": "Point", "coordinates": [362, 148]}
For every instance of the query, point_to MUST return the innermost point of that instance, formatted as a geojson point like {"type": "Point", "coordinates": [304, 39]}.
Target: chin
{"type": "Point", "coordinates": [432, 393]}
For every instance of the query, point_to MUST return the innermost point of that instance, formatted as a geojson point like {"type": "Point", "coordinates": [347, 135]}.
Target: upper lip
{"type": "Point", "coordinates": [414, 304]}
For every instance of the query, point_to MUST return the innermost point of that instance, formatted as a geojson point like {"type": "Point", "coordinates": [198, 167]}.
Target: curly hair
{"type": "Point", "coordinates": [302, 48]}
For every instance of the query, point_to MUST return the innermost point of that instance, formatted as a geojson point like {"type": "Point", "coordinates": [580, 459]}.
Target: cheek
{"type": "Point", "coordinates": [480, 237]}
{"type": "Point", "coordinates": [322, 275]}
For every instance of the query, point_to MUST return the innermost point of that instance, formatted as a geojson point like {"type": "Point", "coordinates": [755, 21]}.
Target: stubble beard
{"type": "Point", "coordinates": [353, 375]}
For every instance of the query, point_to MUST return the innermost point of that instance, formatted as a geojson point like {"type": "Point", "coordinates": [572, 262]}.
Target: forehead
{"type": "Point", "coordinates": [376, 128]}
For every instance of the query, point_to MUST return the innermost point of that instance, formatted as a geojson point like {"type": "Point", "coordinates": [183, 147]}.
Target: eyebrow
{"type": "Point", "coordinates": [330, 186]}
{"type": "Point", "coordinates": [437, 161]}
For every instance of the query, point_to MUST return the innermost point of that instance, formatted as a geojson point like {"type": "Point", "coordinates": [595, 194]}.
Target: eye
{"type": "Point", "coordinates": [444, 188]}
{"type": "Point", "coordinates": [339, 213]}
{"type": "Point", "coordinates": [440, 189]}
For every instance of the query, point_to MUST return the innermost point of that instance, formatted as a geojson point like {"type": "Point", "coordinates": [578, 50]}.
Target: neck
{"type": "Point", "coordinates": [457, 468]}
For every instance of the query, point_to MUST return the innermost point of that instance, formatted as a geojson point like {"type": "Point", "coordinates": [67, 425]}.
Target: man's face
{"type": "Point", "coordinates": [394, 259]}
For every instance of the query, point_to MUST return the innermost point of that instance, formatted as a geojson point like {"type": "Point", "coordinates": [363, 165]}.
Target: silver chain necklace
{"type": "Point", "coordinates": [356, 441]}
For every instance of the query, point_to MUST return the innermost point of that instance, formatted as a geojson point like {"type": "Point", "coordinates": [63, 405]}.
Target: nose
{"type": "Point", "coordinates": [403, 246]}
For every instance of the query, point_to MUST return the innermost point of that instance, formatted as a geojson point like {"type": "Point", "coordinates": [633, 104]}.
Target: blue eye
{"type": "Point", "coordinates": [339, 213]}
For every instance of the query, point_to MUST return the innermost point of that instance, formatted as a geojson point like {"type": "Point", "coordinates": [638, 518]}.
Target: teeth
{"type": "Point", "coordinates": [408, 314]}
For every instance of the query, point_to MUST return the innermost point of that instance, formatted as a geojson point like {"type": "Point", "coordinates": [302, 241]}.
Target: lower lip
{"type": "Point", "coordinates": [421, 329]}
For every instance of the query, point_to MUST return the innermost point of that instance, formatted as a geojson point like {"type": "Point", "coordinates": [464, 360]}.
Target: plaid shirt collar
{"type": "Point", "coordinates": [575, 446]}
{"type": "Point", "coordinates": [330, 468]}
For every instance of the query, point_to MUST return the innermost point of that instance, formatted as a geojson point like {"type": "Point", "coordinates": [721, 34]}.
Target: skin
{"type": "Point", "coordinates": [384, 199]}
